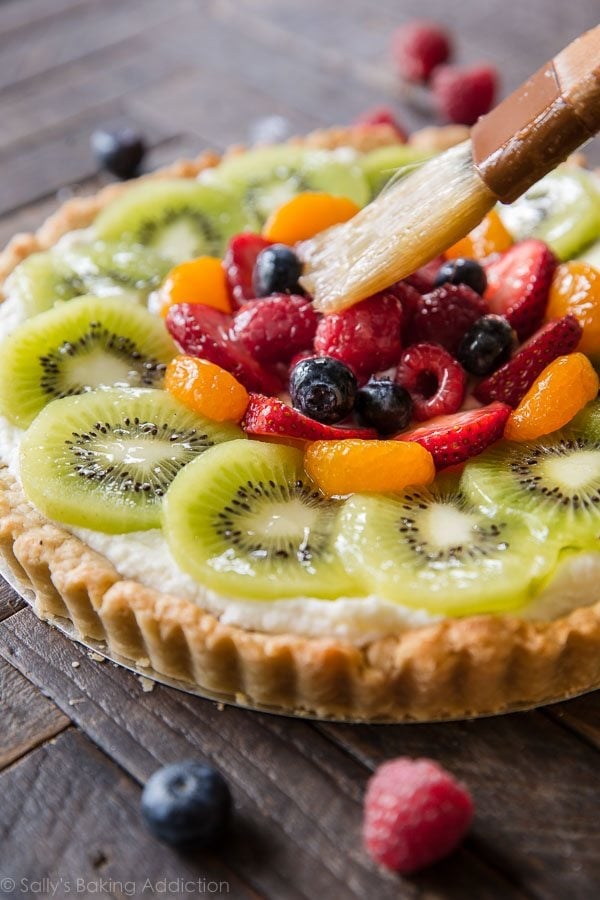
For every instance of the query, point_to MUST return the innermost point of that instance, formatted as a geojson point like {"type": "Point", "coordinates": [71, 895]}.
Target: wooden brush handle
{"type": "Point", "coordinates": [544, 120]}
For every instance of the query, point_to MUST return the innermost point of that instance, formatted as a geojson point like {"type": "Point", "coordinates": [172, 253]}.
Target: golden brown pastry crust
{"type": "Point", "coordinates": [454, 668]}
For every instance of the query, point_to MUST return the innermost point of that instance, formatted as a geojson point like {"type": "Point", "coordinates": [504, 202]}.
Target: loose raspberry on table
{"type": "Point", "coordinates": [418, 47]}
{"type": "Point", "coordinates": [415, 813]}
{"type": "Point", "coordinates": [464, 93]}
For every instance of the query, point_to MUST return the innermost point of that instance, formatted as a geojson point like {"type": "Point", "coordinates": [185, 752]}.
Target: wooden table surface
{"type": "Point", "coordinates": [78, 737]}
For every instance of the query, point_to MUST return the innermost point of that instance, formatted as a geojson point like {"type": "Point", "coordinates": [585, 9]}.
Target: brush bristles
{"type": "Point", "coordinates": [403, 228]}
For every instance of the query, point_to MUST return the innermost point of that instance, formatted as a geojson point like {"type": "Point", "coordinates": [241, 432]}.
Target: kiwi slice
{"type": "Point", "coordinates": [104, 460]}
{"type": "Point", "coordinates": [554, 482]}
{"type": "Point", "coordinates": [179, 218]}
{"type": "Point", "coordinates": [264, 179]}
{"type": "Point", "coordinates": [385, 163]}
{"type": "Point", "coordinates": [245, 520]}
{"type": "Point", "coordinates": [562, 209]}
{"type": "Point", "coordinates": [431, 549]}
{"type": "Point", "coordinates": [104, 269]}
{"type": "Point", "coordinates": [87, 343]}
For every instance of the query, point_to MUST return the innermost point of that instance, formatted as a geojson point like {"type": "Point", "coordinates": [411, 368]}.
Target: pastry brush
{"type": "Point", "coordinates": [422, 214]}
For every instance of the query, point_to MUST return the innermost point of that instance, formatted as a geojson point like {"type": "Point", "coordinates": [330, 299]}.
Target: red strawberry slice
{"type": "Point", "coordinates": [434, 379]}
{"type": "Point", "coordinates": [511, 381]}
{"type": "Point", "coordinates": [268, 416]}
{"type": "Point", "coordinates": [454, 439]}
{"type": "Point", "coordinates": [207, 333]}
{"type": "Point", "coordinates": [275, 328]}
{"type": "Point", "coordinates": [238, 263]}
{"type": "Point", "coordinates": [518, 284]}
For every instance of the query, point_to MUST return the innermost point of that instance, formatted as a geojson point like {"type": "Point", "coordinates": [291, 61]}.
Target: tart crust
{"type": "Point", "coordinates": [454, 668]}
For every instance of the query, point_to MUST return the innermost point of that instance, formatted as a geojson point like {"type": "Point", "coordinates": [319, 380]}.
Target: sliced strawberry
{"type": "Point", "coordinates": [434, 379]}
{"type": "Point", "coordinates": [268, 416]}
{"type": "Point", "coordinates": [238, 263]}
{"type": "Point", "coordinates": [366, 337]}
{"type": "Point", "coordinates": [275, 328]}
{"type": "Point", "coordinates": [444, 315]}
{"type": "Point", "coordinates": [423, 279]}
{"type": "Point", "coordinates": [207, 333]}
{"type": "Point", "coordinates": [518, 284]}
{"type": "Point", "coordinates": [511, 381]}
{"type": "Point", "coordinates": [454, 439]}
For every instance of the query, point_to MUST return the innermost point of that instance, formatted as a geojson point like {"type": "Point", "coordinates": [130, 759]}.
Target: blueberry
{"type": "Point", "coordinates": [486, 345]}
{"type": "Point", "coordinates": [384, 405]}
{"type": "Point", "coordinates": [276, 271]}
{"type": "Point", "coordinates": [323, 388]}
{"type": "Point", "coordinates": [119, 152]}
{"type": "Point", "coordinates": [187, 801]}
{"type": "Point", "coordinates": [462, 271]}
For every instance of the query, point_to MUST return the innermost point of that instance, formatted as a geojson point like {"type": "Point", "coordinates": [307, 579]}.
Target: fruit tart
{"type": "Point", "coordinates": [388, 513]}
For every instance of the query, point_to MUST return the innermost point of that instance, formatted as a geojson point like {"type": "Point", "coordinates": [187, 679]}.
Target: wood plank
{"type": "Point", "coordinates": [535, 792]}
{"type": "Point", "coordinates": [9, 601]}
{"type": "Point", "coordinates": [297, 793]}
{"type": "Point", "coordinates": [71, 816]}
{"type": "Point", "coordinates": [27, 717]}
{"type": "Point", "coordinates": [581, 716]}
{"type": "Point", "coordinates": [16, 14]}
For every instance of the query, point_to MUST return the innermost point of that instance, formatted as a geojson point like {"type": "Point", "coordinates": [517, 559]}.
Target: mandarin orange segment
{"type": "Point", "coordinates": [576, 289]}
{"type": "Point", "coordinates": [206, 388]}
{"type": "Point", "coordinates": [352, 466]}
{"type": "Point", "coordinates": [305, 215]}
{"type": "Point", "coordinates": [560, 391]}
{"type": "Point", "coordinates": [200, 280]}
{"type": "Point", "coordinates": [490, 236]}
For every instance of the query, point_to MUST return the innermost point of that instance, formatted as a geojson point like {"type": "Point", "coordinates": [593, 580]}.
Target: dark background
{"type": "Point", "coordinates": [77, 741]}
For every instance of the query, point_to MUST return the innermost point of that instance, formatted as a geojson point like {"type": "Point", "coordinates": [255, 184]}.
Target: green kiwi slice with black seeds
{"type": "Point", "coordinates": [554, 482]}
{"type": "Point", "coordinates": [104, 460]}
{"type": "Point", "coordinates": [386, 163]}
{"type": "Point", "coordinates": [433, 550]}
{"type": "Point", "coordinates": [101, 268]}
{"type": "Point", "coordinates": [246, 521]}
{"type": "Point", "coordinates": [87, 343]}
{"type": "Point", "coordinates": [263, 179]}
{"type": "Point", "coordinates": [179, 218]}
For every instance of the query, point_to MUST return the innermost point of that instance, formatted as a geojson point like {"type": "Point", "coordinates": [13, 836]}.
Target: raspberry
{"type": "Point", "coordinates": [415, 814]}
{"type": "Point", "coordinates": [366, 336]}
{"type": "Point", "coordinates": [423, 279]}
{"type": "Point", "coordinates": [445, 314]}
{"type": "Point", "coordinates": [418, 47]}
{"type": "Point", "coordinates": [381, 115]}
{"type": "Point", "coordinates": [275, 328]}
{"type": "Point", "coordinates": [434, 379]}
{"type": "Point", "coordinates": [238, 264]}
{"type": "Point", "coordinates": [464, 93]}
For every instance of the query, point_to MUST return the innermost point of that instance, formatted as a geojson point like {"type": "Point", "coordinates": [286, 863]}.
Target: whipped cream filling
{"type": "Point", "coordinates": [145, 557]}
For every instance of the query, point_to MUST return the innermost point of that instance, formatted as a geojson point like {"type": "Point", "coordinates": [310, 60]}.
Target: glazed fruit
{"type": "Point", "coordinates": [435, 381]}
{"type": "Point", "coordinates": [186, 802]}
{"type": "Point", "coordinates": [104, 460]}
{"type": "Point", "coordinates": [384, 405]}
{"type": "Point", "coordinates": [418, 47]}
{"type": "Point", "coordinates": [464, 93]}
{"type": "Point", "coordinates": [306, 214]}
{"type": "Point", "coordinates": [366, 337]}
{"type": "Point", "coordinates": [462, 271]}
{"type": "Point", "coordinates": [270, 417]}
{"type": "Point", "coordinates": [240, 258]}
{"type": "Point", "coordinates": [561, 390]}
{"type": "Point", "coordinates": [423, 279]}
{"type": "Point", "coordinates": [207, 333]}
{"type": "Point", "coordinates": [87, 343]}
{"type": "Point", "coordinates": [486, 239]}
{"type": "Point", "coordinates": [323, 388]}
{"type": "Point", "coordinates": [432, 549]}
{"type": "Point", "coordinates": [415, 814]}
{"type": "Point", "coordinates": [519, 284]}
{"type": "Point", "coordinates": [554, 482]}
{"type": "Point", "coordinates": [390, 162]}
{"type": "Point", "coordinates": [443, 315]}
{"type": "Point", "coordinates": [119, 151]}
{"type": "Point", "coordinates": [575, 290]}
{"type": "Point", "coordinates": [511, 381]}
{"type": "Point", "coordinates": [343, 467]}
{"type": "Point", "coordinates": [199, 280]}
{"type": "Point", "coordinates": [206, 389]}
{"type": "Point", "coordinates": [275, 328]}
{"type": "Point", "coordinates": [453, 439]}
{"type": "Point", "coordinates": [486, 345]}
{"type": "Point", "coordinates": [179, 218]}
{"type": "Point", "coordinates": [276, 271]}
{"type": "Point", "coordinates": [249, 523]}
{"type": "Point", "coordinates": [381, 115]}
